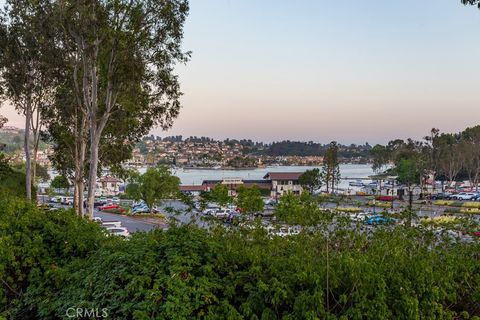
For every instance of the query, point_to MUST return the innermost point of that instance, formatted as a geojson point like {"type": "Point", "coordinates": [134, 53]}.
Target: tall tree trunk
{"type": "Point", "coordinates": [80, 154]}
{"type": "Point", "coordinates": [36, 127]}
{"type": "Point", "coordinates": [92, 174]}
{"type": "Point", "coordinates": [26, 149]}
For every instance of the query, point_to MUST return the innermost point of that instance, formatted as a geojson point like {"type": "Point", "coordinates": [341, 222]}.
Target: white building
{"type": "Point", "coordinates": [284, 182]}
{"type": "Point", "coordinates": [108, 186]}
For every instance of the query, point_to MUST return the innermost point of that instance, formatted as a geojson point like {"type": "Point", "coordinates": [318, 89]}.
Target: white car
{"type": "Point", "coordinates": [221, 213]}
{"type": "Point", "coordinates": [119, 231]}
{"type": "Point", "coordinates": [69, 201]}
{"type": "Point", "coordinates": [109, 224]}
{"type": "Point", "coordinates": [465, 196]}
{"type": "Point", "coordinates": [210, 209]}
{"type": "Point", "coordinates": [97, 219]}
{"type": "Point", "coordinates": [361, 216]}
{"type": "Point", "coordinates": [56, 199]}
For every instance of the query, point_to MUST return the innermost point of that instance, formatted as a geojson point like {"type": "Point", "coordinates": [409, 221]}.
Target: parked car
{"type": "Point", "coordinates": [56, 199]}
{"type": "Point", "coordinates": [108, 207]}
{"type": "Point", "coordinates": [269, 202]}
{"type": "Point", "coordinates": [98, 203]}
{"type": "Point", "coordinates": [268, 211]}
{"type": "Point", "coordinates": [119, 231]}
{"type": "Point", "coordinates": [221, 213]}
{"type": "Point", "coordinates": [68, 201]}
{"type": "Point", "coordinates": [374, 220]}
{"type": "Point", "coordinates": [476, 233]}
{"type": "Point", "coordinates": [465, 196]}
{"type": "Point", "coordinates": [98, 219]}
{"type": "Point", "coordinates": [441, 196]}
{"type": "Point", "coordinates": [108, 224]}
{"type": "Point", "coordinates": [141, 209]}
{"type": "Point", "coordinates": [359, 217]}
{"type": "Point", "coordinates": [210, 208]}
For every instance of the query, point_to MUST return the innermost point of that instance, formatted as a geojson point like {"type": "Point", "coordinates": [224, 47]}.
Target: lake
{"type": "Point", "coordinates": [196, 176]}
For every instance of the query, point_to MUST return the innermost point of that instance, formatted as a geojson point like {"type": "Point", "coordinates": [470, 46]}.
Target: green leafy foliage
{"type": "Point", "coordinates": [155, 185]}
{"type": "Point", "coordinates": [50, 261]}
{"type": "Point", "coordinates": [301, 210]}
{"type": "Point", "coordinates": [60, 182]}
{"type": "Point", "coordinates": [34, 245]}
{"type": "Point", "coordinates": [218, 194]}
{"type": "Point", "coordinates": [249, 200]}
{"type": "Point", "coordinates": [311, 180]}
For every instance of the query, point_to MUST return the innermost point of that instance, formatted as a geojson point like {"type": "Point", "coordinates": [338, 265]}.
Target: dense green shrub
{"type": "Point", "coordinates": [34, 245]}
{"type": "Point", "coordinates": [187, 272]}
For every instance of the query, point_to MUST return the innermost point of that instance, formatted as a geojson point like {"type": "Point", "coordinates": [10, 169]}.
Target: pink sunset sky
{"type": "Point", "coordinates": [351, 71]}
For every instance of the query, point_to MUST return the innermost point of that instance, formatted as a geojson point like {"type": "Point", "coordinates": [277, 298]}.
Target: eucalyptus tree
{"type": "Point", "coordinates": [470, 148]}
{"type": "Point", "coordinates": [68, 133]}
{"type": "Point", "coordinates": [25, 47]}
{"type": "Point", "coordinates": [451, 159]}
{"type": "Point", "coordinates": [331, 169]}
{"type": "Point", "coordinates": [381, 157]}
{"type": "Point", "coordinates": [123, 55]}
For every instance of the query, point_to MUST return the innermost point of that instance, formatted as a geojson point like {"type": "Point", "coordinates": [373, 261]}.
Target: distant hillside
{"type": "Point", "coordinates": [11, 139]}
{"type": "Point", "coordinates": [297, 148]}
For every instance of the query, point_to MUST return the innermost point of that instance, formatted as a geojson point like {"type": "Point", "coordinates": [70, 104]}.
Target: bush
{"type": "Point", "coordinates": [54, 260]}
{"type": "Point", "coordinates": [34, 245]}
{"type": "Point", "coordinates": [380, 204]}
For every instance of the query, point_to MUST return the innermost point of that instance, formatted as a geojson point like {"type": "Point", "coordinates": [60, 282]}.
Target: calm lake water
{"type": "Point", "coordinates": [195, 177]}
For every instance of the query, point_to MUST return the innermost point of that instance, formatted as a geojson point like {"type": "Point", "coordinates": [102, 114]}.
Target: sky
{"type": "Point", "coordinates": [351, 71]}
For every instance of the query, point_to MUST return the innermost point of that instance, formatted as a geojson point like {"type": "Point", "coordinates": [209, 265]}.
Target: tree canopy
{"type": "Point", "coordinates": [154, 186]}
{"type": "Point", "coordinates": [249, 200]}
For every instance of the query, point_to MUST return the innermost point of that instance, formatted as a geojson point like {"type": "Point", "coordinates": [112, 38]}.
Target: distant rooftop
{"type": "Point", "coordinates": [283, 175]}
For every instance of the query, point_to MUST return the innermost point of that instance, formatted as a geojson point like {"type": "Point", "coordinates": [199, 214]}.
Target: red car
{"type": "Point", "coordinates": [476, 233]}
{"type": "Point", "coordinates": [385, 198]}
{"type": "Point", "coordinates": [109, 206]}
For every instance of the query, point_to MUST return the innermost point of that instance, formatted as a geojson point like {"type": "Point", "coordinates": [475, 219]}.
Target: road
{"type": "Point", "coordinates": [132, 224]}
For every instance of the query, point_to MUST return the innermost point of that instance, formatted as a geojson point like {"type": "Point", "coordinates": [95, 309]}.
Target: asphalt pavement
{"type": "Point", "coordinates": [130, 223]}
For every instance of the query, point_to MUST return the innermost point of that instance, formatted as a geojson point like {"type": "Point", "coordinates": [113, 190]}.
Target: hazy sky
{"type": "Point", "coordinates": [350, 70]}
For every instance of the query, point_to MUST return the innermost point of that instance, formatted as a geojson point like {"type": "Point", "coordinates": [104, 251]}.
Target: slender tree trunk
{"type": "Point", "coordinates": [26, 148]}
{"type": "Point", "coordinates": [75, 193]}
{"type": "Point", "coordinates": [80, 154]}
{"type": "Point", "coordinates": [92, 174]}
{"type": "Point", "coordinates": [36, 127]}
{"type": "Point", "coordinates": [80, 179]}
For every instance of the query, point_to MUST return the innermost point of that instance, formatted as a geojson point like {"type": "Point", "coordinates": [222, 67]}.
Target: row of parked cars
{"type": "Point", "coordinates": [467, 196]}
{"type": "Point", "coordinates": [67, 200]}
